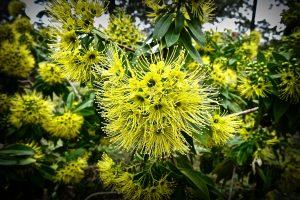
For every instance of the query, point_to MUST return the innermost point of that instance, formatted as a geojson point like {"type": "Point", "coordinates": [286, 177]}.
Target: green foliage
{"type": "Point", "coordinates": [253, 155]}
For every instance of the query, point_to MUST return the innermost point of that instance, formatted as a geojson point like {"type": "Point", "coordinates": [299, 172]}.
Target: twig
{"type": "Point", "coordinates": [231, 184]}
{"type": "Point", "coordinates": [126, 47]}
{"type": "Point", "coordinates": [99, 193]}
{"type": "Point", "coordinates": [74, 89]}
{"type": "Point", "coordinates": [245, 112]}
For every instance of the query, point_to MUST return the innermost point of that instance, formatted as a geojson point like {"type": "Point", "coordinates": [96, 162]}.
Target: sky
{"type": "Point", "coordinates": [272, 16]}
{"type": "Point", "coordinates": [262, 12]}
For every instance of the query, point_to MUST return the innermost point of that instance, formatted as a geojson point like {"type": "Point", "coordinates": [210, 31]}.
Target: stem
{"type": "Point", "coordinates": [231, 184]}
{"type": "Point", "coordinates": [75, 90]}
{"type": "Point", "coordinates": [126, 47]}
{"type": "Point", "coordinates": [245, 112]}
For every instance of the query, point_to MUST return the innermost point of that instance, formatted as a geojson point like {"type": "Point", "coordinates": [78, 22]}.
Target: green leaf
{"type": "Point", "coordinates": [279, 108]}
{"type": "Point", "coordinates": [179, 22]}
{"type": "Point", "coordinates": [7, 162]}
{"type": "Point", "coordinates": [210, 184]}
{"type": "Point", "coordinates": [197, 181]}
{"type": "Point", "coordinates": [278, 57]}
{"type": "Point", "coordinates": [190, 141]}
{"type": "Point", "coordinates": [171, 36]}
{"type": "Point", "coordinates": [162, 26]}
{"type": "Point", "coordinates": [237, 97]}
{"type": "Point", "coordinates": [261, 57]}
{"type": "Point", "coordinates": [195, 30]}
{"type": "Point", "coordinates": [86, 41]}
{"type": "Point", "coordinates": [17, 150]}
{"type": "Point", "coordinates": [224, 170]}
{"type": "Point", "coordinates": [70, 100]}
{"type": "Point", "coordinates": [75, 154]}
{"type": "Point", "coordinates": [185, 39]}
{"type": "Point", "coordinates": [232, 61]}
{"type": "Point", "coordinates": [26, 161]}
{"type": "Point", "coordinates": [87, 112]}
{"type": "Point", "coordinates": [234, 107]}
{"type": "Point", "coordinates": [59, 143]}
{"type": "Point", "coordinates": [15, 161]}
{"type": "Point", "coordinates": [84, 105]}
{"type": "Point", "coordinates": [100, 34]}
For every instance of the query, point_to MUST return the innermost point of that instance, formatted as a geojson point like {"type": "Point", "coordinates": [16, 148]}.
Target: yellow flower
{"type": "Point", "coordinates": [249, 121]}
{"type": "Point", "coordinates": [157, 7]}
{"type": "Point", "coordinates": [4, 102]}
{"type": "Point", "coordinates": [76, 15]}
{"type": "Point", "coordinates": [16, 7]}
{"type": "Point", "coordinates": [22, 25]}
{"type": "Point", "coordinates": [114, 62]}
{"type": "Point", "coordinates": [290, 85]}
{"type": "Point", "coordinates": [7, 33]}
{"type": "Point", "coordinates": [203, 10]}
{"type": "Point", "coordinates": [66, 40]}
{"type": "Point", "coordinates": [148, 108]}
{"type": "Point", "coordinates": [15, 60]}
{"type": "Point", "coordinates": [25, 39]}
{"type": "Point", "coordinates": [106, 171]}
{"type": "Point", "coordinates": [224, 78]}
{"type": "Point", "coordinates": [251, 89]}
{"type": "Point", "coordinates": [223, 127]}
{"type": "Point", "coordinates": [230, 78]}
{"type": "Point", "coordinates": [124, 182]}
{"type": "Point", "coordinates": [65, 126]}
{"type": "Point", "coordinates": [73, 172]}
{"type": "Point", "coordinates": [217, 37]}
{"type": "Point", "coordinates": [78, 65]}
{"type": "Point", "coordinates": [30, 108]}
{"type": "Point", "coordinates": [193, 65]}
{"type": "Point", "coordinates": [255, 81]}
{"type": "Point", "coordinates": [205, 59]}
{"type": "Point", "coordinates": [248, 50]}
{"type": "Point", "coordinates": [255, 37]}
{"type": "Point", "coordinates": [132, 189]}
{"type": "Point", "coordinates": [38, 154]}
{"type": "Point", "coordinates": [51, 73]}
{"type": "Point", "coordinates": [265, 154]}
{"type": "Point", "coordinates": [122, 30]}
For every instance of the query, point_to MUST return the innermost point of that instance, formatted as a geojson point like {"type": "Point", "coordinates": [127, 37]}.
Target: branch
{"type": "Point", "coordinates": [126, 47]}
{"type": "Point", "coordinates": [245, 112]}
{"type": "Point", "coordinates": [74, 89]}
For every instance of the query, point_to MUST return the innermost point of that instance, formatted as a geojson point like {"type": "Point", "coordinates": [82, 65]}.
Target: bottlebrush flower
{"type": "Point", "coordinates": [149, 104]}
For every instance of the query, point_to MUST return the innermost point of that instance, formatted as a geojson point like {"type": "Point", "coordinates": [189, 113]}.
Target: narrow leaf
{"type": "Point", "coordinates": [179, 22]}
{"type": "Point", "coordinates": [185, 39]}
{"type": "Point", "coordinates": [162, 26]}
{"type": "Point", "coordinates": [7, 162]}
{"type": "Point", "coordinates": [84, 105]}
{"type": "Point", "coordinates": [70, 99]}
{"type": "Point", "coordinates": [171, 36]}
{"type": "Point", "coordinates": [261, 57]}
{"type": "Point", "coordinates": [17, 150]}
{"type": "Point", "coordinates": [100, 34]}
{"type": "Point", "coordinates": [194, 177]}
{"type": "Point", "coordinates": [196, 32]}
{"type": "Point", "coordinates": [26, 161]}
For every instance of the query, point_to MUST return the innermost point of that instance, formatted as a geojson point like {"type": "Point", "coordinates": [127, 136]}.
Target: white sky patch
{"type": "Point", "coordinates": [272, 16]}
{"type": "Point", "coordinates": [102, 21]}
